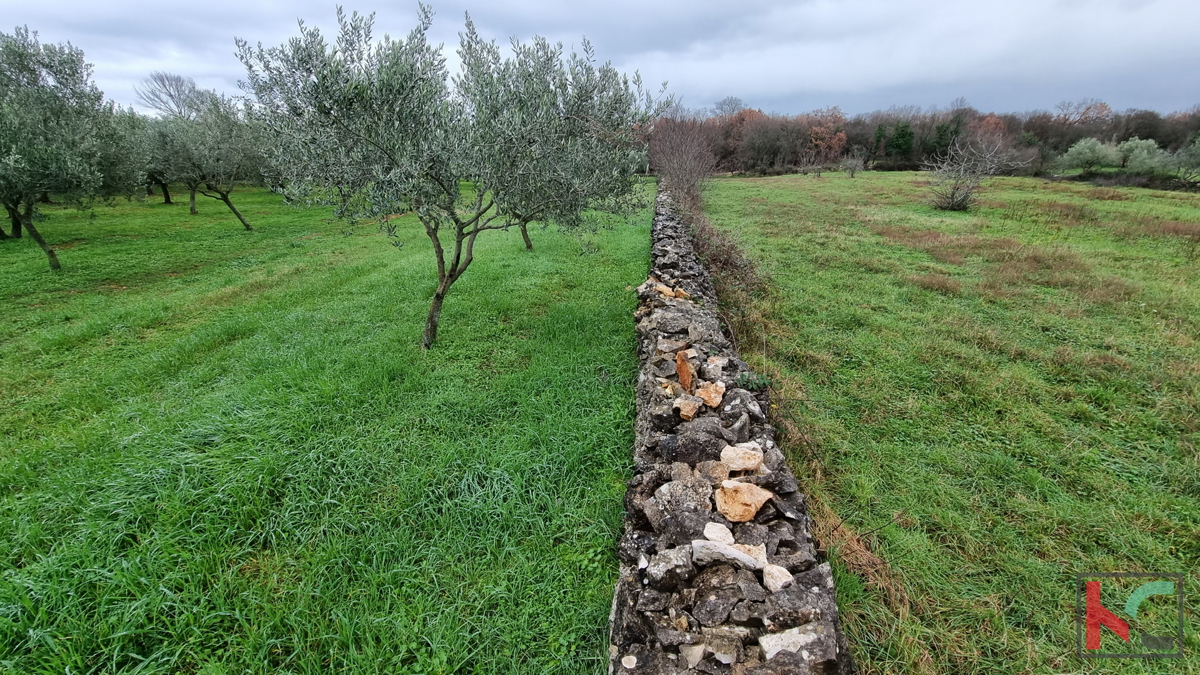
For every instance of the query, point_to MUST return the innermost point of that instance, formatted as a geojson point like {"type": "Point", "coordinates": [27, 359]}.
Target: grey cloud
{"type": "Point", "coordinates": [780, 56]}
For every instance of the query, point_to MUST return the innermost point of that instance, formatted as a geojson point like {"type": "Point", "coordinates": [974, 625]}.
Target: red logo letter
{"type": "Point", "coordinates": [1098, 615]}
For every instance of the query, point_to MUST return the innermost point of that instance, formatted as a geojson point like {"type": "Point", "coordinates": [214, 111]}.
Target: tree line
{"type": "Point", "coordinates": [372, 127]}
{"type": "Point", "coordinates": [745, 140]}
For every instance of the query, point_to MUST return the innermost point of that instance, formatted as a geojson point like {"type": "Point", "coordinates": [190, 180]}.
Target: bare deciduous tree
{"type": "Point", "coordinates": [852, 165]}
{"type": "Point", "coordinates": [682, 156]}
{"type": "Point", "coordinates": [960, 170]}
{"type": "Point", "coordinates": [728, 106]}
{"type": "Point", "coordinates": [172, 95]}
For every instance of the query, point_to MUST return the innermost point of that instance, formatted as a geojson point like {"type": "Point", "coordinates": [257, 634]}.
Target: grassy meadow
{"type": "Point", "coordinates": [224, 451]}
{"type": "Point", "coordinates": [981, 404]}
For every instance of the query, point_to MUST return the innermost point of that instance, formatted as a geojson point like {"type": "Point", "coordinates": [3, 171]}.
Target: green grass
{"type": "Point", "coordinates": [224, 451]}
{"type": "Point", "coordinates": [992, 401]}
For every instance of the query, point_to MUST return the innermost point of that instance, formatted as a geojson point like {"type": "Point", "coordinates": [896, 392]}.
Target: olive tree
{"type": "Point", "coordinates": [1089, 154]}
{"type": "Point", "coordinates": [376, 127]}
{"type": "Point", "coordinates": [1145, 158]}
{"type": "Point", "coordinates": [177, 101]}
{"type": "Point", "coordinates": [226, 150]}
{"type": "Point", "coordinates": [211, 151]}
{"type": "Point", "coordinates": [161, 161]}
{"type": "Point", "coordinates": [568, 129]}
{"type": "Point", "coordinates": [57, 134]}
{"type": "Point", "coordinates": [1187, 162]}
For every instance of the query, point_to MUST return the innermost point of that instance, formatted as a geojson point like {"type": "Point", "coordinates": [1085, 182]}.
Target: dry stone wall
{"type": "Point", "coordinates": [719, 574]}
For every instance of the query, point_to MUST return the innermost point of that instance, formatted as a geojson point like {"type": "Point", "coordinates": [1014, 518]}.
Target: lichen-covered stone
{"type": "Point", "coordinates": [634, 544]}
{"type": "Point", "coordinates": [690, 494]}
{"type": "Point", "coordinates": [676, 528]}
{"type": "Point", "coordinates": [668, 568]}
{"type": "Point", "coordinates": [712, 608]}
{"type": "Point", "coordinates": [749, 587]}
{"type": "Point", "coordinates": [718, 532]}
{"type": "Point", "coordinates": [778, 482]}
{"type": "Point", "coordinates": [714, 472]}
{"type": "Point", "coordinates": [751, 533]}
{"type": "Point", "coordinates": [813, 642]}
{"type": "Point", "coordinates": [715, 577]}
{"type": "Point", "coordinates": [738, 402]}
{"type": "Point", "coordinates": [777, 578]}
{"type": "Point", "coordinates": [651, 600]}
{"type": "Point", "coordinates": [705, 552]}
{"type": "Point", "coordinates": [691, 445]}
{"type": "Point", "coordinates": [796, 556]}
{"type": "Point", "coordinates": [666, 346]}
{"type": "Point", "coordinates": [741, 434]}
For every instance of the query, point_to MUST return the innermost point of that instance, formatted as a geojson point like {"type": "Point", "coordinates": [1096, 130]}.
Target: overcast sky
{"type": "Point", "coordinates": [784, 57]}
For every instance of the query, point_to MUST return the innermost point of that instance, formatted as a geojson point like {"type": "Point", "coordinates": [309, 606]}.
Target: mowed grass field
{"type": "Point", "coordinates": [982, 405]}
{"type": "Point", "coordinates": [224, 451]}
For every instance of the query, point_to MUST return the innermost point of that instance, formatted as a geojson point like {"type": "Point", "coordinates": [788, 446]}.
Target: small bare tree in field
{"type": "Point", "coordinates": [681, 154]}
{"type": "Point", "coordinates": [963, 167]}
{"type": "Point", "coordinates": [852, 165]}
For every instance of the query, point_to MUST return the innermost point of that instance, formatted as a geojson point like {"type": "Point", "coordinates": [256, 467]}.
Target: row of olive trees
{"type": "Point", "coordinates": [371, 127]}
{"type": "Point", "coordinates": [378, 127]}
{"type": "Point", "coordinates": [1135, 157]}
{"type": "Point", "coordinates": [59, 136]}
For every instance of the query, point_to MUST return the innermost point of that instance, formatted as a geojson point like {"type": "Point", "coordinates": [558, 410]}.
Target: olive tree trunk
{"type": "Point", "coordinates": [450, 270]}
{"type": "Point", "coordinates": [27, 221]}
{"type": "Point", "coordinates": [16, 224]}
{"type": "Point", "coordinates": [166, 192]}
{"type": "Point", "coordinates": [15, 216]}
{"type": "Point", "coordinates": [225, 198]}
{"type": "Point", "coordinates": [192, 201]}
{"type": "Point", "coordinates": [525, 236]}
{"type": "Point", "coordinates": [435, 313]}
